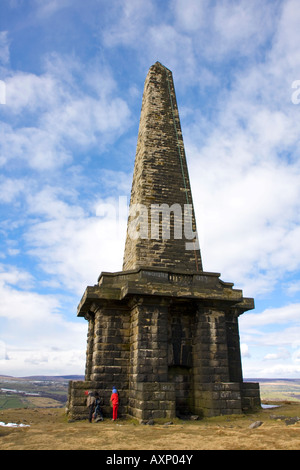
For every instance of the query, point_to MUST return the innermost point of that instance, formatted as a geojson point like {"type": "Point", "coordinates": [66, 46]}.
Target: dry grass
{"type": "Point", "coordinates": [50, 430]}
{"type": "Point", "coordinates": [41, 402]}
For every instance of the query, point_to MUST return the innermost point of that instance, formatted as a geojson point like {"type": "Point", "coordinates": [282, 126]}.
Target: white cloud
{"type": "Point", "coordinates": [245, 350]}
{"type": "Point", "coordinates": [293, 287]}
{"type": "Point", "coordinates": [12, 276]}
{"type": "Point", "coordinates": [35, 335]}
{"type": "Point", "coordinates": [281, 315]}
{"type": "Point", "coordinates": [138, 26]}
{"type": "Point", "coordinates": [273, 336]}
{"type": "Point", "coordinates": [43, 361]}
{"type": "Point", "coordinates": [4, 48]}
{"type": "Point", "coordinates": [62, 116]}
{"type": "Point", "coordinates": [129, 27]}
{"type": "Point", "coordinates": [190, 15]}
{"type": "Point", "coordinates": [46, 8]}
{"type": "Point", "coordinates": [280, 371]}
{"type": "Point", "coordinates": [285, 337]}
{"type": "Point", "coordinates": [27, 308]}
{"type": "Point", "coordinates": [282, 353]}
{"type": "Point", "coordinates": [34, 147]}
{"type": "Point", "coordinates": [49, 203]}
{"type": "Point", "coordinates": [190, 32]}
{"type": "Point", "coordinates": [73, 245]}
{"type": "Point", "coordinates": [172, 48]}
{"type": "Point", "coordinates": [3, 353]}
{"type": "Point", "coordinates": [30, 92]}
{"type": "Point", "coordinates": [10, 188]}
{"type": "Point", "coordinates": [248, 217]}
{"type": "Point", "coordinates": [241, 27]}
{"type": "Point", "coordinates": [286, 48]}
{"type": "Point", "coordinates": [296, 355]}
{"type": "Point", "coordinates": [245, 171]}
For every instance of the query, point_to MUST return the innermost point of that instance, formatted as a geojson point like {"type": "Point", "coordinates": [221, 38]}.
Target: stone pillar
{"type": "Point", "coordinates": [213, 395]}
{"type": "Point", "coordinates": [233, 345]}
{"type": "Point", "coordinates": [250, 396]}
{"type": "Point", "coordinates": [150, 394]}
{"type": "Point", "coordinates": [209, 347]}
{"type": "Point", "coordinates": [90, 345]}
{"type": "Point", "coordinates": [110, 360]}
{"type": "Point", "coordinates": [180, 356]}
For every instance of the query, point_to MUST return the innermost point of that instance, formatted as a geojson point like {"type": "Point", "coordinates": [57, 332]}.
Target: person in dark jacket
{"type": "Point", "coordinates": [98, 415]}
{"type": "Point", "coordinates": [90, 403]}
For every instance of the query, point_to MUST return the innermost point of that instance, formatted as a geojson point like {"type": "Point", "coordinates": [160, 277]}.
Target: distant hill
{"type": "Point", "coordinates": [43, 378]}
{"type": "Point", "coordinates": [35, 391]}
{"type": "Point", "coordinates": [59, 378]}
{"type": "Point", "coordinates": [271, 380]}
{"type": "Point", "coordinates": [55, 378]}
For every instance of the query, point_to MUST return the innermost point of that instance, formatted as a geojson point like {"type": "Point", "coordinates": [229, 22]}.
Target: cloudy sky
{"type": "Point", "coordinates": [71, 82]}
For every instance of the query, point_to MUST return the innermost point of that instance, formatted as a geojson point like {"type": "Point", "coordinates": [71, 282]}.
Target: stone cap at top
{"type": "Point", "coordinates": [161, 229]}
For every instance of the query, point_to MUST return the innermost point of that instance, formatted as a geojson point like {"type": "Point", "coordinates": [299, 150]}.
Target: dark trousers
{"type": "Point", "coordinates": [98, 413]}
{"type": "Point", "coordinates": [91, 410]}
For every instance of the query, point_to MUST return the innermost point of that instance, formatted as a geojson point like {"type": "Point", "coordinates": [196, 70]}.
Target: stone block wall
{"type": "Point", "coordinates": [158, 400]}
{"type": "Point", "coordinates": [213, 399]}
{"type": "Point", "coordinates": [210, 347]}
{"type": "Point", "coordinates": [250, 396]}
{"type": "Point", "coordinates": [108, 359]}
{"type": "Point", "coordinates": [165, 358]}
{"type": "Point", "coordinates": [76, 405]}
{"type": "Point", "coordinates": [150, 393]}
{"type": "Point", "coordinates": [152, 400]}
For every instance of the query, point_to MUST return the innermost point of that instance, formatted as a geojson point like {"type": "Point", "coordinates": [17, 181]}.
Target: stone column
{"type": "Point", "coordinates": [180, 355]}
{"type": "Point", "coordinates": [111, 352]}
{"type": "Point", "coordinates": [210, 350]}
{"type": "Point", "coordinates": [90, 345]}
{"type": "Point", "coordinates": [233, 345]}
{"type": "Point", "coordinates": [210, 359]}
{"type": "Point", "coordinates": [150, 394]}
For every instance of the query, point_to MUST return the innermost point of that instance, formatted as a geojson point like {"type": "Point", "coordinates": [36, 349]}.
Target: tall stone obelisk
{"type": "Point", "coordinates": [163, 331]}
{"type": "Point", "coordinates": [161, 185]}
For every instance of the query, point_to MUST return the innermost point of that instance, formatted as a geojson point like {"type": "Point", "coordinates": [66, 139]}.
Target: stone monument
{"type": "Point", "coordinates": [163, 331]}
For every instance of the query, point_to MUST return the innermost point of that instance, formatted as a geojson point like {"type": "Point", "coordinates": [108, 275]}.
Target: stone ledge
{"type": "Point", "coordinates": [166, 284]}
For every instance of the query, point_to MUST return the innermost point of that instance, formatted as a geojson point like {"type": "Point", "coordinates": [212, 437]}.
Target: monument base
{"type": "Point", "coordinates": [158, 400]}
{"type": "Point", "coordinates": [168, 341]}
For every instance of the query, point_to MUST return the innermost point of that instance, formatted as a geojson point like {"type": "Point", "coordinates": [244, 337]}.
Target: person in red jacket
{"type": "Point", "coordinates": [115, 402]}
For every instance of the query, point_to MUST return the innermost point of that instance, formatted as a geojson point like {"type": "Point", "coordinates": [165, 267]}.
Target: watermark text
{"type": "Point", "coordinates": [296, 94]}
{"type": "Point", "coordinates": [154, 221]}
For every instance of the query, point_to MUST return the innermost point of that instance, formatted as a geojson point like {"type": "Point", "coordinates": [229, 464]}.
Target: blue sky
{"type": "Point", "coordinates": [72, 76]}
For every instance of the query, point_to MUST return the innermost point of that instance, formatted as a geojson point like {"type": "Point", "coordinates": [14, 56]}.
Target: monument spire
{"type": "Point", "coordinates": [161, 226]}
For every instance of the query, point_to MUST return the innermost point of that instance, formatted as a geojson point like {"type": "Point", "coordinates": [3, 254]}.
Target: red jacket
{"type": "Point", "coordinates": [114, 398]}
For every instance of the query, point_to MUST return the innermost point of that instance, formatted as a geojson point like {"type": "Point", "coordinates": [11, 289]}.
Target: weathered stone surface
{"type": "Point", "coordinates": [161, 177]}
{"type": "Point", "coordinates": [163, 331]}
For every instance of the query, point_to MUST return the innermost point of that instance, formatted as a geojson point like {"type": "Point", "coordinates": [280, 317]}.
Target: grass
{"type": "Point", "coordinates": [280, 390]}
{"type": "Point", "coordinates": [11, 401]}
{"type": "Point", "coordinates": [50, 430]}
{"type": "Point", "coordinates": [17, 401]}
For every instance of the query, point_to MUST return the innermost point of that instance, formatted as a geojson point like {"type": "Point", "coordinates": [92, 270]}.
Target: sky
{"type": "Point", "coordinates": [71, 81]}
